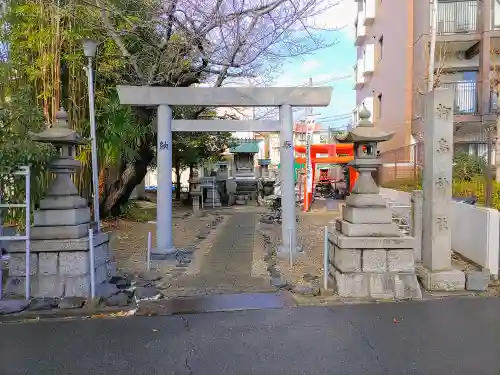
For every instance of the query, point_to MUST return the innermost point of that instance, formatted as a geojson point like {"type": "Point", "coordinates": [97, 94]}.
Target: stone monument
{"type": "Point", "coordinates": [368, 256]}
{"type": "Point", "coordinates": [60, 264]}
{"type": "Point", "coordinates": [436, 270]}
{"type": "Point", "coordinates": [213, 197]}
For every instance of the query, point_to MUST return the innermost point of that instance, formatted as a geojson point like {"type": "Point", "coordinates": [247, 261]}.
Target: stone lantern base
{"type": "Point", "coordinates": [368, 257]}
{"type": "Point", "coordinates": [60, 257]}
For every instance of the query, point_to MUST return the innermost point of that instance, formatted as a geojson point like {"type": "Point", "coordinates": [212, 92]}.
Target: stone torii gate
{"type": "Point", "coordinates": [164, 97]}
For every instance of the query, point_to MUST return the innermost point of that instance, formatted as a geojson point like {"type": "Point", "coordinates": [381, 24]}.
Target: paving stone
{"type": "Point", "coordinates": [12, 306]}
{"type": "Point", "coordinates": [275, 273]}
{"type": "Point", "coordinates": [326, 292]}
{"type": "Point", "coordinates": [279, 282]}
{"type": "Point", "coordinates": [227, 267]}
{"type": "Point", "coordinates": [306, 290]}
{"type": "Point", "coordinates": [477, 281]}
{"type": "Point", "coordinates": [120, 299]}
{"type": "Point", "coordinates": [143, 283]}
{"type": "Point", "coordinates": [38, 304]}
{"type": "Point", "coordinates": [71, 303]}
{"type": "Point", "coordinates": [120, 282]}
{"type": "Point", "coordinates": [308, 277]}
{"type": "Point", "coordinates": [106, 290]}
{"type": "Point", "coordinates": [146, 292]}
{"type": "Point", "coordinates": [151, 275]}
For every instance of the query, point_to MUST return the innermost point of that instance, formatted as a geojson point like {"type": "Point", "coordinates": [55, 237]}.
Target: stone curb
{"type": "Point", "coordinates": [63, 314]}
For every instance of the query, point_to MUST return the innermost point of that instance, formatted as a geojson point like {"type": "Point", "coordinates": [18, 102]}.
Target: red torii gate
{"type": "Point", "coordinates": [337, 154]}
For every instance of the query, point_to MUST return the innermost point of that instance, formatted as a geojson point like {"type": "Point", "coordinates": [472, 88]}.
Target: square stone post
{"type": "Point", "coordinates": [417, 202]}
{"type": "Point", "coordinates": [288, 220]}
{"type": "Point", "coordinates": [436, 272]}
{"type": "Point", "coordinates": [164, 243]}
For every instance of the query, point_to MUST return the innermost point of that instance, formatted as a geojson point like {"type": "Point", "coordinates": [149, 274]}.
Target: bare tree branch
{"type": "Point", "coordinates": [181, 42]}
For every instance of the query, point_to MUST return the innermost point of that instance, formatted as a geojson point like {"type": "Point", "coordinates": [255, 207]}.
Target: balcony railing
{"type": "Point", "coordinates": [466, 99]}
{"type": "Point", "coordinates": [457, 16]}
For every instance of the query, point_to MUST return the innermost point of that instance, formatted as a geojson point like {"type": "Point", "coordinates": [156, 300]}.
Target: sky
{"type": "Point", "coordinates": [325, 65]}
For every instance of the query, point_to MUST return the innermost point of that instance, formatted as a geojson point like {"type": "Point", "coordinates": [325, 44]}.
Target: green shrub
{"type": "Point", "coordinates": [466, 167]}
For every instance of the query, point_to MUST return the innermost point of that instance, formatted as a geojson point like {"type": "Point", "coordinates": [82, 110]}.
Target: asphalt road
{"type": "Point", "coordinates": [453, 336]}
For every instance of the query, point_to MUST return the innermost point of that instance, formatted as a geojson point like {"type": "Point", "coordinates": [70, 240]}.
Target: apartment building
{"type": "Point", "coordinates": [393, 39]}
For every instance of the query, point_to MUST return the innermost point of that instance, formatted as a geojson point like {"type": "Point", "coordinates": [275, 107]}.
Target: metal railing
{"type": "Point", "coordinates": [457, 16]}
{"type": "Point", "coordinates": [466, 98]}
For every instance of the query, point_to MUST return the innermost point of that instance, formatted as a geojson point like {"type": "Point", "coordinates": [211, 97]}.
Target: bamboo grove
{"type": "Point", "coordinates": [43, 69]}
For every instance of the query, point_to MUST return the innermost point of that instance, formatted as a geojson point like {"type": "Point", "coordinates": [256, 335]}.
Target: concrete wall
{"type": "Point", "coordinates": [475, 230]}
{"type": "Point", "coordinates": [476, 234]}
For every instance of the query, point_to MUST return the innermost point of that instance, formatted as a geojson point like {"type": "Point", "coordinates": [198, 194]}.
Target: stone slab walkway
{"type": "Point", "coordinates": [227, 266]}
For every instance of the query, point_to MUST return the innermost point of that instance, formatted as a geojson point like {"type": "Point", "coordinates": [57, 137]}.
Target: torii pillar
{"type": "Point", "coordinates": [164, 97]}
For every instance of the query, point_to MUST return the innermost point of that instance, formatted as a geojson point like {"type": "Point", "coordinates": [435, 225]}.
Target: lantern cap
{"type": "Point", "coordinates": [60, 132]}
{"type": "Point", "coordinates": [365, 132]}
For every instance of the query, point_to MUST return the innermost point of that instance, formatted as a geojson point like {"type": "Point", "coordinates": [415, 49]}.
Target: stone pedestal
{"type": "Point", "coordinates": [60, 267]}
{"type": "Point", "coordinates": [371, 260]}
{"type": "Point", "coordinates": [60, 257]}
{"type": "Point", "coordinates": [437, 272]}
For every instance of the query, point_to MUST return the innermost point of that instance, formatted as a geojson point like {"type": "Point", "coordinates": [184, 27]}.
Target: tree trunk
{"type": "Point", "coordinates": [191, 173]}
{"type": "Point", "coordinates": [132, 174]}
{"type": "Point", "coordinates": [177, 168]}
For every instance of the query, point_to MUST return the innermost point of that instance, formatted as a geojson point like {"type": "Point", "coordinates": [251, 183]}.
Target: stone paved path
{"type": "Point", "coordinates": [227, 267]}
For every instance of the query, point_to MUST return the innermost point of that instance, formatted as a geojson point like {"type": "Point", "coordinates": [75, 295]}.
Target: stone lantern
{"type": "Point", "coordinates": [65, 140]}
{"type": "Point", "coordinates": [368, 255]}
{"type": "Point", "coordinates": [60, 235]}
{"type": "Point", "coordinates": [365, 138]}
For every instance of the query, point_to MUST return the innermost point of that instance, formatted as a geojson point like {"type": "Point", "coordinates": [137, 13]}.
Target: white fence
{"type": "Point", "coordinates": [475, 230]}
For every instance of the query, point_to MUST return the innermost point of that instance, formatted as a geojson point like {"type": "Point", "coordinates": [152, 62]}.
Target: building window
{"type": "Point", "coordinates": [379, 106]}
{"type": "Point", "coordinates": [380, 48]}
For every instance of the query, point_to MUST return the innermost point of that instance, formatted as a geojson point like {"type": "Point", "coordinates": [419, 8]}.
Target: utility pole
{"type": "Point", "coordinates": [432, 53]}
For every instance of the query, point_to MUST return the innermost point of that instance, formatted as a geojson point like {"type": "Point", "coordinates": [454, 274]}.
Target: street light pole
{"type": "Point", "coordinates": [89, 49]}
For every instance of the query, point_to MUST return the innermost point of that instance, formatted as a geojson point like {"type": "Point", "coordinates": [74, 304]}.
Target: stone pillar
{"type": "Point", "coordinates": [164, 243]}
{"type": "Point", "coordinates": [417, 203]}
{"type": "Point", "coordinates": [437, 273]}
{"type": "Point", "coordinates": [288, 222]}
